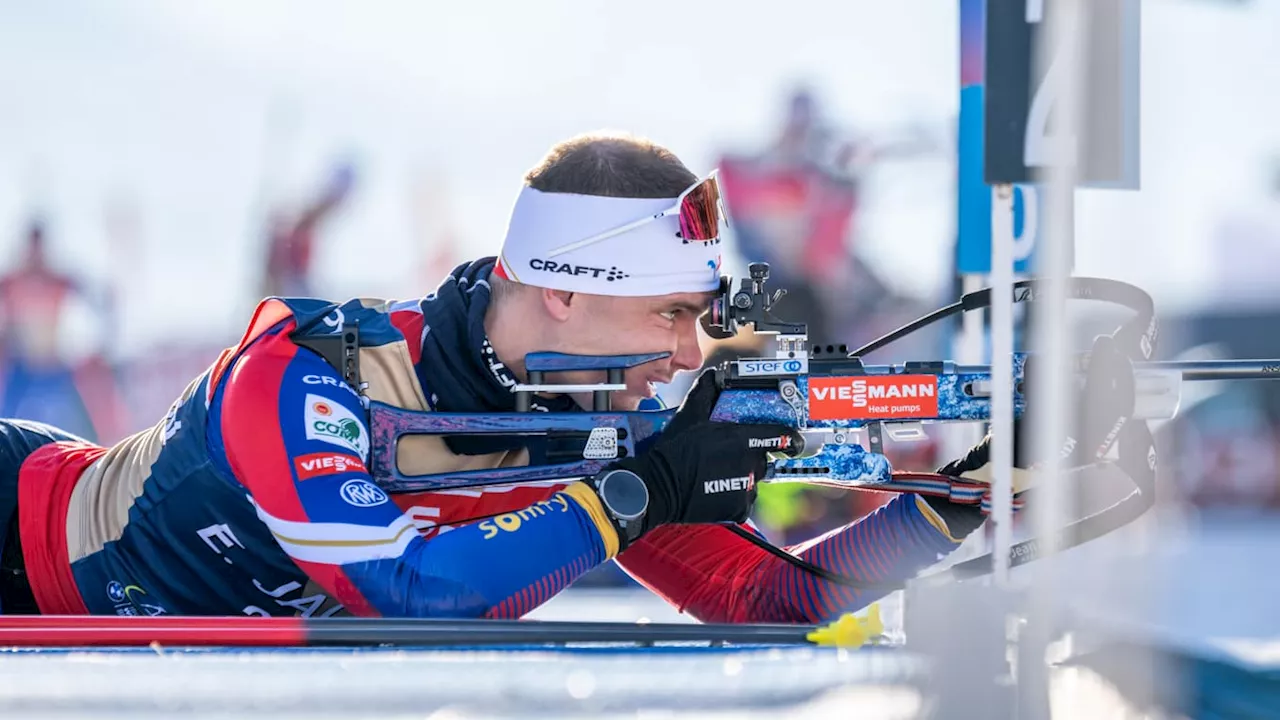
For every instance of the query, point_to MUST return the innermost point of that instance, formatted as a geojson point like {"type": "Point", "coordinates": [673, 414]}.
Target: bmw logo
{"type": "Point", "coordinates": [115, 591]}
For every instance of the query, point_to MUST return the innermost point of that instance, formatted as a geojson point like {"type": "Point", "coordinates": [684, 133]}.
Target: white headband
{"type": "Point", "coordinates": [650, 259]}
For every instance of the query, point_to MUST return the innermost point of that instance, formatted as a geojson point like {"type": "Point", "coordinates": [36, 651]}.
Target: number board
{"type": "Point", "coordinates": [973, 246]}
{"type": "Point", "coordinates": [1021, 131]}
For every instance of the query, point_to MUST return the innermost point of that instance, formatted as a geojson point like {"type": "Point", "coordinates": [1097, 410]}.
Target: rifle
{"type": "Point", "coordinates": [843, 409]}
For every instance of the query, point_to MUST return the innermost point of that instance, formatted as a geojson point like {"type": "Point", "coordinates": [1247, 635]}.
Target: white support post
{"type": "Point", "coordinates": [1051, 333]}
{"type": "Point", "coordinates": [1001, 458]}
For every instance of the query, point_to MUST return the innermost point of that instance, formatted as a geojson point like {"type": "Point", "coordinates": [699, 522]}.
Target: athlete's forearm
{"type": "Point", "coordinates": [501, 567]}
{"type": "Point", "coordinates": [889, 545]}
{"type": "Point", "coordinates": [717, 576]}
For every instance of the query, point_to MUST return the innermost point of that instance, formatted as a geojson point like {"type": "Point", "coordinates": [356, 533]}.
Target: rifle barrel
{"type": "Point", "coordinates": [1219, 369]}
{"type": "Point", "coordinates": [1267, 369]}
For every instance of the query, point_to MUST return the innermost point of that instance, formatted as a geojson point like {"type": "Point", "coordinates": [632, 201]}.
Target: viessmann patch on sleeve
{"type": "Point", "coordinates": [864, 397]}
{"type": "Point", "coordinates": [326, 463]}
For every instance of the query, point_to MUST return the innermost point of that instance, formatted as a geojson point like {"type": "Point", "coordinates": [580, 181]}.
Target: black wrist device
{"type": "Point", "coordinates": [625, 498]}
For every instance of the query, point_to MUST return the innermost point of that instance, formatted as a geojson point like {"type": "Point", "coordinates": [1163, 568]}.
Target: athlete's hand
{"type": "Point", "coordinates": [1102, 409]}
{"type": "Point", "coordinates": [699, 471]}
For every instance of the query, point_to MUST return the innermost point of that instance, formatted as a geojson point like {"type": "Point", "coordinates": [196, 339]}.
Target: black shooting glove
{"type": "Point", "coordinates": [1103, 410]}
{"type": "Point", "coordinates": [699, 471]}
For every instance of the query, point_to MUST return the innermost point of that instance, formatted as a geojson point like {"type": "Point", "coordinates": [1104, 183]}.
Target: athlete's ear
{"type": "Point", "coordinates": [558, 303]}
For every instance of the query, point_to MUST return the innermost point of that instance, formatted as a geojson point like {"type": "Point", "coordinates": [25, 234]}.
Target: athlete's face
{"type": "Point", "coordinates": [601, 325]}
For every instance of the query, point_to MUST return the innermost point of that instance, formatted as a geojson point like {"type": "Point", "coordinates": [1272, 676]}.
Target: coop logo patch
{"type": "Point", "coordinates": [330, 422]}
{"type": "Point", "coordinates": [868, 397]}
{"type": "Point", "coordinates": [318, 464]}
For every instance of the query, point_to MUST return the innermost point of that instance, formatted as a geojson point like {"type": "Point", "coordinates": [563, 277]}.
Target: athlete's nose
{"type": "Point", "coordinates": [688, 354]}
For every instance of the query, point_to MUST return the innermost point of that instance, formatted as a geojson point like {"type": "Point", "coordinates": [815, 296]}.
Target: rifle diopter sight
{"type": "Point", "coordinates": [753, 304]}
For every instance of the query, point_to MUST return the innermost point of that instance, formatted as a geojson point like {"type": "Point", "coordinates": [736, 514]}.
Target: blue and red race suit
{"type": "Point", "coordinates": [252, 497]}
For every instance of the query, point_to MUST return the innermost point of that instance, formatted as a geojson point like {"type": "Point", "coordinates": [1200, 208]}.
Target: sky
{"type": "Point", "coordinates": [196, 117]}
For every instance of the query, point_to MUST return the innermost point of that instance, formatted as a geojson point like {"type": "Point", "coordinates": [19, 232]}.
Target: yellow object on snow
{"type": "Point", "coordinates": [850, 631]}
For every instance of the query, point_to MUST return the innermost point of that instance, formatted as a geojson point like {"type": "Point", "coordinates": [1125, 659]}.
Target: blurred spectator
{"type": "Point", "coordinates": [794, 205]}
{"type": "Point", "coordinates": [434, 226]}
{"type": "Point", "coordinates": [1225, 451]}
{"type": "Point", "coordinates": [291, 241]}
{"type": "Point", "coordinates": [40, 379]}
{"type": "Point", "coordinates": [32, 298]}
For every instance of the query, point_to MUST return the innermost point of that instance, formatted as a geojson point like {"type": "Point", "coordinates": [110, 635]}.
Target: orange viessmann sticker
{"type": "Point", "coordinates": [864, 397]}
